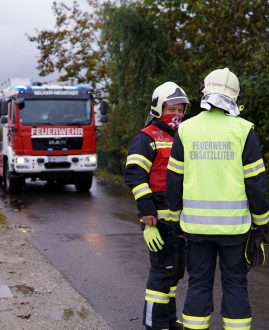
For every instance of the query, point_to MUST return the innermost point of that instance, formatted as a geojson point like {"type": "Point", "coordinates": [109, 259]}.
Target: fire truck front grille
{"type": "Point", "coordinates": [53, 165]}
{"type": "Point", "coordinates": [68, 143]}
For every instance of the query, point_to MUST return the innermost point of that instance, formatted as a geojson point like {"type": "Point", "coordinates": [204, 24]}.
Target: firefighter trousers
{"type": "Point", "coordinates": [166, 269]}
{"type": "Point", "coordinates": [201, 264]}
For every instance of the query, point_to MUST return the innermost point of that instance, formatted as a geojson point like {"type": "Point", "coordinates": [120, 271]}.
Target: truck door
{"type": "Point", "coordinates": [5, 118]}
{"type": "Point", "coordinates": [11, 122]}
{"type": "Point", "coordinates": [1, 140]}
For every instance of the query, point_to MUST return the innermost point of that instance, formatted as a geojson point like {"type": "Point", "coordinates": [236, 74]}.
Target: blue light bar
{"type": "Point", "coordinates": [22, 88]}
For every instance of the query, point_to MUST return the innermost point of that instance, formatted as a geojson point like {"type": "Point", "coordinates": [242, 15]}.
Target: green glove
{"type": "Point", "coordinates": [153, 238]}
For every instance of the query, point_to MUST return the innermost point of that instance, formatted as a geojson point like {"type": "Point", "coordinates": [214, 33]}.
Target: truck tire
{"type": "Point", "coordinates": [83, 182]}
{"type": "Point", "coordinates": [12, 184]}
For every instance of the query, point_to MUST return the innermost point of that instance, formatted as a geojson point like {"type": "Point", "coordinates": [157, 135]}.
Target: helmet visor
{"type": "Point", "coordinates": [177, 100]}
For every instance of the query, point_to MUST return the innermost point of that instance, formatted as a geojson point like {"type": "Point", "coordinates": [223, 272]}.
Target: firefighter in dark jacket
{"type": "Point", "coordinates": [146, 175]}
{"type": "Point", "coordinates": [216, 187]}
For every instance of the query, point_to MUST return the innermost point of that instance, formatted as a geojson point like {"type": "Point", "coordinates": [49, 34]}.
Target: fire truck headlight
{"type": "Point", "coordinates": [93, 159]}
{"type": "Point", "coordinates": [20, 160]}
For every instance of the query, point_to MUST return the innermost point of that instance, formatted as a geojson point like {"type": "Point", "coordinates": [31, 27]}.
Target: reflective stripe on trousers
{"type": "Point", "coordinates": [196, 322]}
{"type": "Point", "coordinates": [237, 324]}
{"type": "Point", "coordinates": [155, 297]}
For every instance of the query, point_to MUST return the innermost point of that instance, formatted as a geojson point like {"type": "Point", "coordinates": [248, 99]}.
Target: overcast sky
{"type": "Point", "coordinates": [18, 56]}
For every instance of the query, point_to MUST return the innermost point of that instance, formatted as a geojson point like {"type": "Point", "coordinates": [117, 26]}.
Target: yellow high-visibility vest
{"type": "Point", "coordinates": [214, 196]}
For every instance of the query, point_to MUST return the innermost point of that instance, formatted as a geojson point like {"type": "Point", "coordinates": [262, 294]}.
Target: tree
{"type": "Point", "coordinates": [73, 48]}
{"type": "Point", "coordinates": [142, 45]}
{"type": "Point", "coordinates": [131, 47]}
{"type": "Point", "coordinates": [233, 34]}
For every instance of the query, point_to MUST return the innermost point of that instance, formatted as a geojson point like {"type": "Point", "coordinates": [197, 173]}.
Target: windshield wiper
{"type": "Point", "coordinates": [76, 123]}
{"type": "Point", "coordinates": [46, 123]}
{"type": "Point", "coordinates": [38, 124]}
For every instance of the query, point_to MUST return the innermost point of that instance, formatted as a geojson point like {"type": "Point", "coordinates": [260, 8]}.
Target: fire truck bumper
{"type": "Point", "coordinates": [63, 163]}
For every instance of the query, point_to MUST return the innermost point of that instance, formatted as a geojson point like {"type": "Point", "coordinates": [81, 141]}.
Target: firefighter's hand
{"type": "Point", "coordinates": [149, 220]}
{"type": "Point", "coordinates": [153, 239]}
{"type": "Point", "coordinates": [264, 230]}
{"type": "Point", "coordinates": [254, 250]}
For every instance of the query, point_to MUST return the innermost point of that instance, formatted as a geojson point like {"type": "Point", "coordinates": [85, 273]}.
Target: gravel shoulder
{"type": "Point", "coordinates": [33, 294]}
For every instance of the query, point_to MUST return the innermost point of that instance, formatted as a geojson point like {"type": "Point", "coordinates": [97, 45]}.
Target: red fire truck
{"type": "Point", "coordinates": [48, 133]}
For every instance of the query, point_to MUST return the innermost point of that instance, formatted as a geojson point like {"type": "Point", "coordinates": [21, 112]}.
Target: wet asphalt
{"type": "Point", "coordinates": [94, 239]}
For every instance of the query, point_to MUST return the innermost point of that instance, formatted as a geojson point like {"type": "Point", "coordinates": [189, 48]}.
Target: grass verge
{"type": "Point", "coordinates": [3, 219]}
{"type": "Point", "coordinates": [104, 175]}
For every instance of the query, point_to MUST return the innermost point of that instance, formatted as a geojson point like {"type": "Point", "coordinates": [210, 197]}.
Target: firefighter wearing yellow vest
{"type": "Point", "coordinates": [216, 187]}
{"type": "Point", "coordinates": [146, 175]}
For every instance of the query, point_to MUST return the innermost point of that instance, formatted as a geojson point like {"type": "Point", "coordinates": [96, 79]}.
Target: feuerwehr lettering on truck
{"type": "Point", "coordinates": [37, 132]}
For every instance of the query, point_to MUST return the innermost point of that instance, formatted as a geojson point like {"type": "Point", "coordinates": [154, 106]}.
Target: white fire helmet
{"type": "Point", "coordinates": [222, 81]}
{"type": "Point", "coordinates": [170, 93]}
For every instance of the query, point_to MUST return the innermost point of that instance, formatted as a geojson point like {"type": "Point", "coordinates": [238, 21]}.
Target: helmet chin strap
{"type": "Point", "coordinates": [149, 119]}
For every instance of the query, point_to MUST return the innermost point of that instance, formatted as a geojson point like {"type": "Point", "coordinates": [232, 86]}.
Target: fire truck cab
{"type": "Point", "coordinates": [48, 133]}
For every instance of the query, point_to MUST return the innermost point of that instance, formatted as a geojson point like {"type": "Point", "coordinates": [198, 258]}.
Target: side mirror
{"type": "Point", "coordinates": [20, 103]}
{"type": "Point", "coordinates": [103, 108]}
{"type": "Point", "coordinates": [4, 107]}
{"type": "Point", "coordinates": [3, 120]}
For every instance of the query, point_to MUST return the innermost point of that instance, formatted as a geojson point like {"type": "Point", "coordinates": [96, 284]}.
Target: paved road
{"type": "Point", "coordinates": [94, 239]}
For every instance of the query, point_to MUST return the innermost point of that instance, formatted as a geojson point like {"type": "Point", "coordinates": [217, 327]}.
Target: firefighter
{"type": "Point", "coordinates": [216, 186]}
{"type": "Point", "coordinates": [146, 175]}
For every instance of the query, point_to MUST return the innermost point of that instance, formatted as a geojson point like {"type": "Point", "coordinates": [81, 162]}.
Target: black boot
{"type": "Point", "coordinates": [150, 328]}
{"type": "Point", "coordinates": [176, 325]}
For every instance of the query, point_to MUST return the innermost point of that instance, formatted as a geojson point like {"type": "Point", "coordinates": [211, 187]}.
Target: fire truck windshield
{"type": "Point", "coordinates": [55, 112]}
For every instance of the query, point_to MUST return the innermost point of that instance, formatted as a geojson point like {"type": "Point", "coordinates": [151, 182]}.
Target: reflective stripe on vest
{"type": "Point", "coordinates": [215, 220]}
{"type": "Point", "coordinates": [158, 145]}
{"type": "Point", "coordinates": [227, 214]}
{"type": "Point", "coordinates": [233, 205]}
{"type": "Point", "coordinates": [237, 324]}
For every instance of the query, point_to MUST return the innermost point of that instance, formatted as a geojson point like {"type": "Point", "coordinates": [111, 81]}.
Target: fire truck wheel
{"type": "Point", "coordinates": [83, 182]}
{"type": "Point", "coordinates": [12, 184]}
